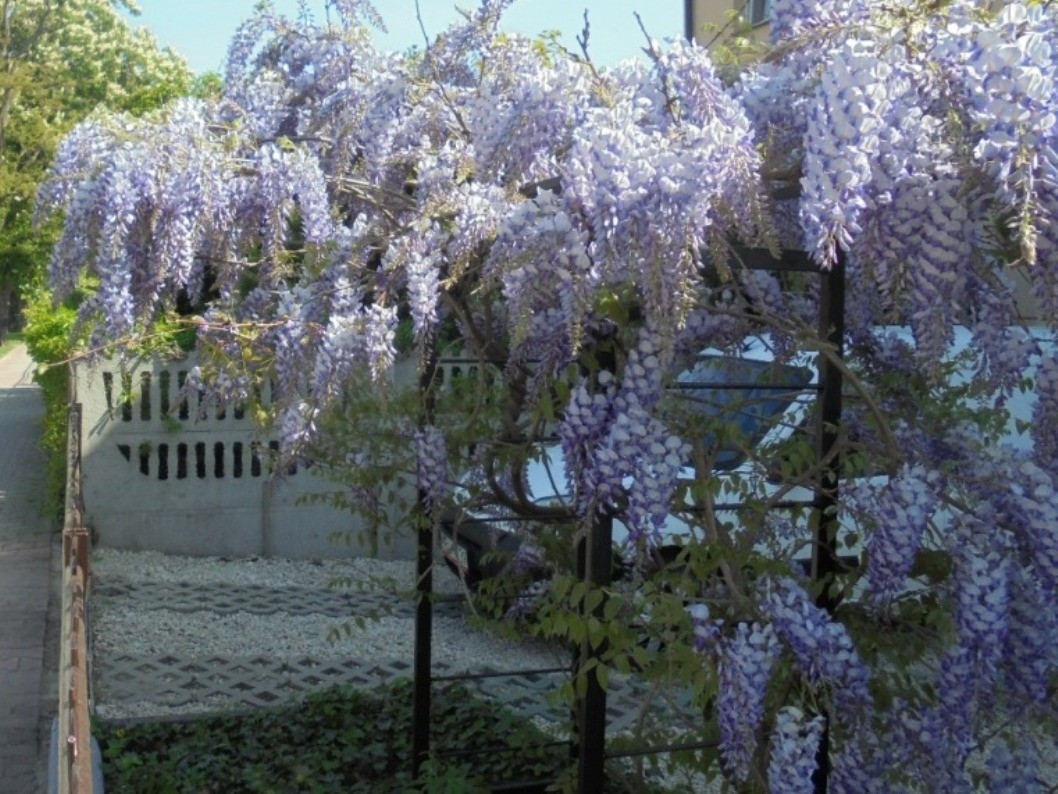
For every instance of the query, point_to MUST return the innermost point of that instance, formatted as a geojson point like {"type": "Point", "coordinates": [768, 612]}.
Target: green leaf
{"type": "Point", "coordinates": [593, 600]}
{"type": "Point", "coordinates": [611, 608]}
{"type": "Point", "coordinates": [602, 673]}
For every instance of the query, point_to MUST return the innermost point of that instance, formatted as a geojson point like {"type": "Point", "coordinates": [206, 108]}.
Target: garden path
{"type": "Point", "coordinates": [27, 546]}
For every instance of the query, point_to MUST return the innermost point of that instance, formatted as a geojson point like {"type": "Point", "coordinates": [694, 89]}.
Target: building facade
{"type": "Point", "coordinates": [703, 16]}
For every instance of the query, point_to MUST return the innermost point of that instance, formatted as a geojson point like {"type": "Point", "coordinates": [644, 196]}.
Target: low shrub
{"type": "Point", "coordinates": [48, 337]}
{"type": "Point", "coordinates": [342, 740]}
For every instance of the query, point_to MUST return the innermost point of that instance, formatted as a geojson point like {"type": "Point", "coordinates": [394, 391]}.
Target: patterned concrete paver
{"type": "Point", "coordinates": [26, 548]}
{"type": "Point", "coordinates": [173, 681]}
{"type": "Point", "coordinates": [225, 599]}
{"type": "Point", "coordinates": [164, 683]}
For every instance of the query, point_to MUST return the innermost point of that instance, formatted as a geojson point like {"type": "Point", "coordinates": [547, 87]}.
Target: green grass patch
{"type": "Point", "coordinates": [340, 740]}
{"type": "Point", "coordinates": [13, 338]}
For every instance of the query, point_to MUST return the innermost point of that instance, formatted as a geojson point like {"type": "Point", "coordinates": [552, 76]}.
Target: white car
{"type": "Point", "coordinates": [771, 403]}
{"type": "Point", "coordinates": [746, 400]}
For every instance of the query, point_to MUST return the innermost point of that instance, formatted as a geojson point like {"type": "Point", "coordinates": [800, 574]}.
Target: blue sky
{"type": "Point", "coordinates": [200, 29]}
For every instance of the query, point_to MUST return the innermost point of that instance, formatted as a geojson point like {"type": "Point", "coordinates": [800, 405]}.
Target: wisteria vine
{"type": "Point", "coordinates": [570, 228]}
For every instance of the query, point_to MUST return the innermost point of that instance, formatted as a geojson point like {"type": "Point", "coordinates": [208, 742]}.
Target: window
{"type": "Point", "coordinates": [758, 11]}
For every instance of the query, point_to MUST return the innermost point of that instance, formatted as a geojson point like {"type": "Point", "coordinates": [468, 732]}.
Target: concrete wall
{"type": "Point", "coordinates": [158, 478]}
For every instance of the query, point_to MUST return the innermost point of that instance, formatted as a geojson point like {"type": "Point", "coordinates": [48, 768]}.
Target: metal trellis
{"type": "Point", "coordinates": [595, 551]}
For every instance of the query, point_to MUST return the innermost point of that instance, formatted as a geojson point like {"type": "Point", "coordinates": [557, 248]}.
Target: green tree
{"type": "Point", "coordinates": [60, 60]}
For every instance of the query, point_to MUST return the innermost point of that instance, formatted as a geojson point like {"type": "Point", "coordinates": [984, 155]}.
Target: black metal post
{"type": "Point", "coordinates": [832, 331]}
{"type": "Point", "coordinates": [821, 775]}
{"type": "Point", "coordinates": [420, 742]}
{"type": "Point", "coordinates": [591, 717]}
{"type": "Point", "coordinates": [825, 563]}
{"type": "Point", "coordinates": [577, 732]}
{"type": "Point", "coordinates": [595, 566]}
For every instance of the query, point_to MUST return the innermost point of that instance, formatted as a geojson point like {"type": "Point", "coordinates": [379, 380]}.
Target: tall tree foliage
{"type": "Point", "coordinates": [58, 62]}
{"type": "Point", "coordinates": [530, 209]}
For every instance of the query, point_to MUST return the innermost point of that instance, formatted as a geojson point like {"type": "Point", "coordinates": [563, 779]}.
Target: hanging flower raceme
{"type": "Point", "coordinates": [1045, 415]}
{"type": "Point", "coordinates": [853, 100]}
{"type": "Point", "coordinates": [916, 731]}
{"type": "Point", "coordinates": [653, 180]}
{"type": "Point", "coordinates": [795, 18]}
{"type": "Point", "coordinates": [821, 646]}
{"type": "Point", "coordinates": [583, 428]}
{"type": "Point", "coordinates": [634, 470]}
{"type": "Point", "coordinates": [431, 458]}
{"type": "Point", "coordinates": [359, 341]}
{"type": "Point", "coordinates": [1028, 508]}
{"type": "Point", "coordinates": [1006, 69]}
{"type": "Point", "coordinates": [745, 665]}
{"type": "Point", "coordinates": [794, 750]}
{"type": "Point", "coordinates": [984, 607]}
{"type": "Point", "coordinates": [413, 257]}
{"type": "Point", "coordinates": [707, 630]}
{"type": "Point", "coordinates": [541, 258]}
{"type": "Point", "coordinates": [1013, 770]}
{"type": "Point", "coordinates": [297, 428]}
{"type": "Point", "coordinates": [515, 143]}
{"type": "Point", "coordinates": [1030, 657]}
{"type": "Point", "coordinates": [1006, 348]}
{"type": "Point", "coordinates": [283, 179]}
{"type": "Point", "coordinates": [897, 513]}
{"type": "Point", "coordinates": [981, 585]}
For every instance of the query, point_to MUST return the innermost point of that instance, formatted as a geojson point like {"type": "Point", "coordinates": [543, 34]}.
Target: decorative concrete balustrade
{"type": "Point", "coordinates": [170, 474]}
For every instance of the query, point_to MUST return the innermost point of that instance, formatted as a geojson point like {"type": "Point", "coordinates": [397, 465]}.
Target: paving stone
{"type": "Point", "coordinates": [253, 682]}
{"type": "Point", "coordinates": [26, 545]}
{"type": "Point", "coordinates": [246, 681]}
{"type": "Point", "coordinates": [17, 743]}
{"type": "Point", "coordinates": [221, 599]}
{"type": "Point", "coordinates": [18, 780]}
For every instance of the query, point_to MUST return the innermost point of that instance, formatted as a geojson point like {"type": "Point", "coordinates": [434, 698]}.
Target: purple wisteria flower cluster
{"type": "Point", "coordinates": [794, 751]}
{"type": "Point", "coordinates": [432, 460]}
{"type": "Point", "coordinates": [897, 521]}
{"type": "Point", "coordinates": [822, 647]}
{"type": "Point", "coordinates": [745, 666]}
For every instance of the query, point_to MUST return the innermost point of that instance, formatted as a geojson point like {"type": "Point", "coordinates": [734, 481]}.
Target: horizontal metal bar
{"type": "Point", "coordinates": [700, 385]}
{"type": "Point", "coordinates": [513, 444]}
{"type": "Point", "coordinates": [530, 190]}
{"type": "Point", "coordinates": [504, 674]}
{"type": "Point", "coordinates": [550, 519]}
{"type": "Point", "coordinates": [786, 504]}
{"type": "Point", "coordinates": [447, 598]}
{"type": "Point", "coordinates": [495, 362]}
{"type": "Point", "coordinates": [665, 748]}
{"type": "Point", "coordinates": [467, 753]}
{"type": "Point", "coordinates": [789, 261]}
{"type": "Point", "coordinates": [524, 786]}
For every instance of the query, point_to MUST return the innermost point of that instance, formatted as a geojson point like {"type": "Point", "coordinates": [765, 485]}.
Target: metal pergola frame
{"type": "Point", "coordinates": [595, 552]}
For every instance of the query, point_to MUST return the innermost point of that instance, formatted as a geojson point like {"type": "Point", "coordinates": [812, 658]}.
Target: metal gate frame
{"type": "Point", "coordinates": [595, 553]}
